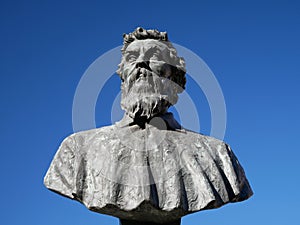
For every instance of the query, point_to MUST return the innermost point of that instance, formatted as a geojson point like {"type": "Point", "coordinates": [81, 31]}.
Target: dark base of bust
{"type": "Point", "coordinates": [132, 222]}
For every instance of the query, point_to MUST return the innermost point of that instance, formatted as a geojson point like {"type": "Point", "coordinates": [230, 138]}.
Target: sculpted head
{"type": "Point", "coordinates": [152, 74]}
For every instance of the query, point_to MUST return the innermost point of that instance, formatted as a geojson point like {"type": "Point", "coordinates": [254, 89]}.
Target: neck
{"type": "Point", "coordinates": [160, 121]}
{"type": "Point", "coordinates": [141, 121]}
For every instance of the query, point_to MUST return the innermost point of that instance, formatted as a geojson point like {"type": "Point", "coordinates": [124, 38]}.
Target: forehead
{"type": "Point", "coordinates": [146, 44]}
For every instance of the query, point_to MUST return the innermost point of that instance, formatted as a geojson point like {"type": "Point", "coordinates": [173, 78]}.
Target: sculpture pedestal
{"type": "Point", "coordinates": [131, 222]}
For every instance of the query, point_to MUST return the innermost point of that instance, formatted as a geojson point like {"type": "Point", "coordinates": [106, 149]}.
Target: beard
{"type": "Point", "coordinates": [146, 94]}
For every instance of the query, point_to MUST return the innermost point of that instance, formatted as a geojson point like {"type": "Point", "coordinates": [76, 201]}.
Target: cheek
{"type": "Point", "coordinates": [127, 70]}
{"type": "Point", "coordinates": [154, 64]}
{"type": "Point", "coordinates": [167, 71]}
{"type": "Point", "coordinates": [124, 89]}
{"type": "Point", "coordinates": [161, 68]}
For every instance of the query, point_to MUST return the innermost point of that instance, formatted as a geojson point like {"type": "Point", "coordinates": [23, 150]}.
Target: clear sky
{"type": "Point", "coordinates": [252, 47]}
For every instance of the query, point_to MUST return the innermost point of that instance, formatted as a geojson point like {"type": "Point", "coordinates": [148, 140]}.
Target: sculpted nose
{"type": "Point", "coordinates": [142, 62]}
{"type": "Point", "coordinates": [141, 57]}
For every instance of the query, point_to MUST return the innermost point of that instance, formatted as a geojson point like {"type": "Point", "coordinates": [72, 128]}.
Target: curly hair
{"type": "Point", "coordinates": [178, 67]}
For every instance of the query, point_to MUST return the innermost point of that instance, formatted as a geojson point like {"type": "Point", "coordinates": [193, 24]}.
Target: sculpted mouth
{"type": "Point", "coordinates": [142, 85]}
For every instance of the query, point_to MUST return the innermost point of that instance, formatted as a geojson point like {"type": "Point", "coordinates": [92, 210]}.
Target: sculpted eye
{"type": "Point", "coordinates": [155, 54]}
{"type": "Point", "coordinates": [131, 56]}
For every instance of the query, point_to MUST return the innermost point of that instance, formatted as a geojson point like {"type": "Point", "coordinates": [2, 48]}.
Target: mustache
{"type": "Point", "coordinates": [142, 74]}
{"type": "Point", "coordinates": [140, 68]}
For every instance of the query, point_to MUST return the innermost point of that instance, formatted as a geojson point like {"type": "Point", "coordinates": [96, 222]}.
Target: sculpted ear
{"type": "Point", "coordinates": [178, 77]}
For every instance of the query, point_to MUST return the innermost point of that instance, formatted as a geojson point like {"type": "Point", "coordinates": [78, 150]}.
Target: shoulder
{"type": "Point", "coordinates": [197, 142]}
{"type": "Point", "coordinates": [194, 137]}
{"type": "Point", "coordinates": [83, 137]}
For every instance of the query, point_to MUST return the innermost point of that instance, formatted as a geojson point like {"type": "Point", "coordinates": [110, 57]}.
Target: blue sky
{"type": "Point", "coordinates": [252, 47]}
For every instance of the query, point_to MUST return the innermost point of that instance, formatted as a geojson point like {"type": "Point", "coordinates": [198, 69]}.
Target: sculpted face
{"type": "Point", "coordinates": [146, 88]}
